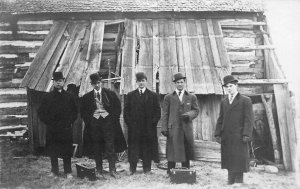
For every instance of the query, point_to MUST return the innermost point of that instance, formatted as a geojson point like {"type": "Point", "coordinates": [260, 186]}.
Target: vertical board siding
{"type": "Point", "coordinates": [129, 57]}
{"type": "Point", "coordinates": [145, 59]}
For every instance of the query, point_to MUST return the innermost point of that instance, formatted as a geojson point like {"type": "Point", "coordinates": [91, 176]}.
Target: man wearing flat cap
{"type": "Point", "coordinates": [179, 109]}
{"type": "Point", "coordinates": [141, 114]}
{"type": "Point", "coordinates": [234, 131]}
{"type": "Point", "coordinates": [58, 111]}
{"type": "Point", "coordinates": [100, 110]}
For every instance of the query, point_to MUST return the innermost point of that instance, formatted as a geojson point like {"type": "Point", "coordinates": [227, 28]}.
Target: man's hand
{"type": "Point", "coordinates": [246, 139]}
{"type": "Point", "coordinates": [165, 133]}
{"type": "Point", "coordinates": [185, 118]}
{"type": "Point", "coordinates": [218, 139]}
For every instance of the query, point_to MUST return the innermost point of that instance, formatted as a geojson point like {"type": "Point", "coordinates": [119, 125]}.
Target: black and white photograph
{"type": "Point", "coordinates": [142, 94]}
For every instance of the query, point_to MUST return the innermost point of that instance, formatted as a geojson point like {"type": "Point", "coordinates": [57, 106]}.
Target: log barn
{"type": "Point", "coordinates": [204, 39]}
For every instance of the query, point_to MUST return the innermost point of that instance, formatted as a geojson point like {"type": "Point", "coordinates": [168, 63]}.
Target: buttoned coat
{"type": "Point", "coordinates": [112, 105]}
{"type": "Point", "coordinates": [235, 121]}
{"type": "Point", "coordinates": [132, 110]}
{"type": "Point", "coordinates": [58, 111]}
{"type": "Point", "coordinates": [179, 130]}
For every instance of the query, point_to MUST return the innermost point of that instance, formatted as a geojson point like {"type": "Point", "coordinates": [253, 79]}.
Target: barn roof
{"type": "Point", "coordinates": [65, 6]}
{"type": "Point", "coordinates": [158, 47]}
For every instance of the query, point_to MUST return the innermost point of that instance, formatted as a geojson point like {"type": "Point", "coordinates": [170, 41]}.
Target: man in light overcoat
{"type": "Point", "coordinates": [179, 109]}
{"type": "Point", "coordinates": [234, 131]}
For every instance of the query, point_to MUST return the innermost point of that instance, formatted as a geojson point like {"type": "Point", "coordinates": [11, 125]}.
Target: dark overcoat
{"type": "Point", "coordinates": [112, 105]}
{"type": "Point", "coordinates": [132, 110]}
{"type": "Point", "coordinates": [58, 111]}
{"type": "Point", "coordinates": [235, 120]}
{"type": "Point", "coordinates": [180, 142]}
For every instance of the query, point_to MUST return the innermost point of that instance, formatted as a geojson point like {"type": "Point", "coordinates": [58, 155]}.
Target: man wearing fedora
{"type": "Point", "coordinates": [58, 111]}
{"type": "Point", "coordinates": [141, 114]}
{"type": "Point", "coordinates": [234, 131]}
{"type": "Point", "coordinates": [100, 110]}
{"type": "Point", "coordinates": [179, 109]}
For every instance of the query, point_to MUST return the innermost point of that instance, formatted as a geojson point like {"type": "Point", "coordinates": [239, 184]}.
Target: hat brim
{"type": "Point", "coordinates": [232, 81]}
{"type": "Point", "coordinates": [179, 79]}
{"type": "Point", "coordinates": [58, 78]}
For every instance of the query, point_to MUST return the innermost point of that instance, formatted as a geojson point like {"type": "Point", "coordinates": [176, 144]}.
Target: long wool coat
{"type": "Point", "coordinates": [112, 105]}
{"type": "Point", "coordinates": [179, 130]}
{"type": "Point", "coordinates": [135, 123]}
{"type": "Point", "coordinates": [235, 120]}
{"type": "Point", "coordinates": [58, 111]}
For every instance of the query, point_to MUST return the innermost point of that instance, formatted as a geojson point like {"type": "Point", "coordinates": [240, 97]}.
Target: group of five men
{"type": "Point", "coordinates": [100, 110]}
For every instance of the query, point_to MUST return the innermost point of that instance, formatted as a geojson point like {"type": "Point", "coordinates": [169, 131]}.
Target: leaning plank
{"type": "Point", "coordinates": [281, 96]}
{"type": "Point", "coordinates": [45, 80]}
{"type": "Point", "coordinates": [155, 53]}
{"type": "Point", "coordinates": [95, 57]}
{"type": "Point", "coordinates": [262, 81]}
{"type": "Point", "coordinates": [44, 55]}
{"type": "Point", "coordinates": [268, 108]}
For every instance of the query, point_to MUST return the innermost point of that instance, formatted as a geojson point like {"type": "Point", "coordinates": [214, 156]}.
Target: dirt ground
{"type": "Point", "coordinates": [19, 169]}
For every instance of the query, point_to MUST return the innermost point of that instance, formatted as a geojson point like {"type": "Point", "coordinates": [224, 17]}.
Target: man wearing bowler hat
{"type": "Point", "coordinates": [234, 131]}
{"type": "Point", "coordinates": [179, 109]}
{"type": "Point", "coordinates": [141, 114]}
{"type": "Point", "coordinates": [58, 111]}
{"type": "Point", "coordinates": [100, 110]}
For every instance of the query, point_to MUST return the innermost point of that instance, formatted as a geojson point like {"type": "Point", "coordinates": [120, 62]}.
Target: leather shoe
{"type": "Point", "coordinates": [114, 174]}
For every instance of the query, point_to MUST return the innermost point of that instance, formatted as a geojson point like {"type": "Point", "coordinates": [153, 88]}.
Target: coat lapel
{"type": "Point", "coordinates": [234, 103]}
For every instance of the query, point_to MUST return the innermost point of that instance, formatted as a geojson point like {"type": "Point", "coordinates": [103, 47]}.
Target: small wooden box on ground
{"type": "Point", "coordinates": [179, 176]}
{"type": "Point", "coordinates": [86, 171]}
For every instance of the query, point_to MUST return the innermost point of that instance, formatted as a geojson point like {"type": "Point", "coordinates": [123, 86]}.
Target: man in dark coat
{"type": "Point", "coordinates": [58, 111]}
{"type": "Point", "coordinates": [100, 110]}
{"type": "Point", "coordinates": [234, 131]}
{"type": "Point", "coordinates": [141, 114]}
{"type": "Point", "coordinates": [179, 109]}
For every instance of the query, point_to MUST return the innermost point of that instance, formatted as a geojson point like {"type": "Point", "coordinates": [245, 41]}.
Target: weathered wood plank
{"type": "Point", "coordinates": [186, 56]}
{"type": "Point", "coordinates": [167, 55]}
{"type": "Point", "coordinates": [204, 60]}
{"type": "Point", "coordinates": [12, 120]}
{"type": "Point", "coordinates": [204, 150]}
{"type": "Point", "coordinates": [287, 144]}
{"type": "Point", "coordinates": [155, 50]}
{"type": "Point", "coordinates": [44, 55]}
{"type": "Point", "coordinates": [11, 49]}
{"type": "Point", "coordinates": [267, 101]}
{"type": "Point", "coordinates": [145, 58]}
{"type": "Point", "coordinates": [27, 27]}
{"type": "Point", "coordinates": [129, 58]}
{"type": "Point", "coordinates": [23, 36]}
{"type": "Point", "coordinates": [77, 70]}
{"type": "Point", "coordinates": [230, 33]}
{"type": "Point", "coordinates": [95, 57]}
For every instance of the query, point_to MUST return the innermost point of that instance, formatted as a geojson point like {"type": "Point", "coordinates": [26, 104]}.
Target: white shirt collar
{"type": "Point", "coordinates": [233, 96]}
{"type": "Point", "coordinates": [98, 91]}
{"type": "Point", "coordinates": [143, 89]}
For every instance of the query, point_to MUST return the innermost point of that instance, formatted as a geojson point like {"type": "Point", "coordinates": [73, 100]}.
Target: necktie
{"type": "Point", "coordinates": [98, 95]}
{"type": "Point", "coordinates": [230, 98]}
{"type": "Point", "coordinates": [141, 92]}
{"type": "Point", "coordinates": [179, 93]}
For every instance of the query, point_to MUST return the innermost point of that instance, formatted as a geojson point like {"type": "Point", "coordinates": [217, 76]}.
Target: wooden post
{"type": "Point", "coordinates": [29, 122]}
{"type": "Point", "coordinates": [267, 101]}
{"type": "Point", "coordinates": [109, 80]}
{"type": "Point", "coordinates": [286, 126]}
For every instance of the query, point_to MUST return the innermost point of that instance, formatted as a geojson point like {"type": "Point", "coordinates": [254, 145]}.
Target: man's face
{"type": "Point", "coordinates": [179, 84]}
{"type": "Point", "coordinates": [58, 84]}
{"type": "Point", "coordinates": [231, 88]}
{"type": "Point", "coordinates": [141, 83]}
{"type": "Point", "coordinates": [97, 85]}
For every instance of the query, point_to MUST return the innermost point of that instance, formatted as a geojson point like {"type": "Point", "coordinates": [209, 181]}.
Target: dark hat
{"type": "Point", "coordinates": [140, 75]}
{"type": "Point", "coordinates": [95, 77]}
{"type": "Point", "coordinates": [178, 76]}
{"type": "Point", "coordinates": [57, 76]}
{"type": "Point", "coordinates": [229, 79]}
